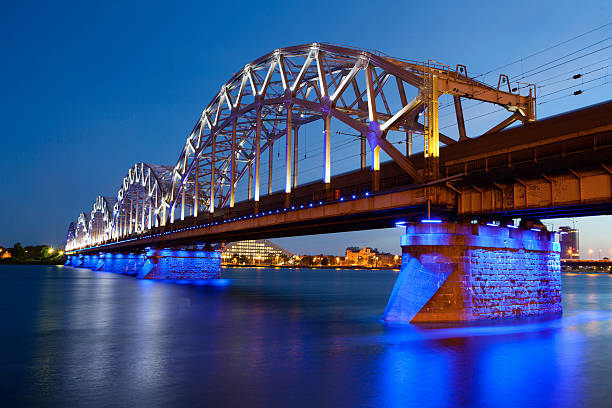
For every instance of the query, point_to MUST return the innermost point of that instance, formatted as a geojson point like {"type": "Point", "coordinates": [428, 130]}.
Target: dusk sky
{"type": "Point", "coordinates": [90, 88]}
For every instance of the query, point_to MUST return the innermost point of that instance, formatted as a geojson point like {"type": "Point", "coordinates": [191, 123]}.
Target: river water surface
{"type": "Point", "coordinates": [285, 338]}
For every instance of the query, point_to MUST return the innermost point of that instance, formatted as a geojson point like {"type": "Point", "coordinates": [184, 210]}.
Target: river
{"type": "Point", "coordinates": [285, 338]}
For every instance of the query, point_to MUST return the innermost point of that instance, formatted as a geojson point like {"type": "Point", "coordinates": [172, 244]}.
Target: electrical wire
{"type": "Point", "coordinates": [573, 86]}
{"type": "Point", "coordinates": [545, 49]}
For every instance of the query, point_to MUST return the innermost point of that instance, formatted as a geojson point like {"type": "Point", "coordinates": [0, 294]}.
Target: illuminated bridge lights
{"type": "Point", "coordinates": [236, 219]}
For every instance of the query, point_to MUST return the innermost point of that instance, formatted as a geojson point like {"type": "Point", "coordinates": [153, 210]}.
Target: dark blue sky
{"type": "Point", "coordinates": [89, 88]}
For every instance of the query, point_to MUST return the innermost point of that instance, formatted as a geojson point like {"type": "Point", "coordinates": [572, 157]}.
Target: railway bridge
{"type": "Point", "coordinates": [458, 197]}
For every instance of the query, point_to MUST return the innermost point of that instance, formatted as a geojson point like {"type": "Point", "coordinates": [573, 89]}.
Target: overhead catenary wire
{"type": "Point", "coordinates": [529, 73]}
{"type": "Point", "coordinates": [574, 86]}
{"type": "Point", "coordinates": [545, 49]}
{"type": "Point", "coordinates": [579, 73]}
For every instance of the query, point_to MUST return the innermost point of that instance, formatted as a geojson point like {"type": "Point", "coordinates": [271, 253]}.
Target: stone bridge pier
{"type": "Point", "coordinates": [463, 272]}
{"type": "Point", "coordinates": [172, 264]}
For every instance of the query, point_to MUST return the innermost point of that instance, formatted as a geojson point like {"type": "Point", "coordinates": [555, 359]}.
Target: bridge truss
{"type": "Point", "coordinates": [270, 99]}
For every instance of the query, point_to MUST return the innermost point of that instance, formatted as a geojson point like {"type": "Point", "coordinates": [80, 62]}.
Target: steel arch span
{"type": "Point", "coordinates": [277, 93]}
{"type": "Point", "coordinates": [269, 99]}
{"type": "Point", "coordinates": [135, 209]}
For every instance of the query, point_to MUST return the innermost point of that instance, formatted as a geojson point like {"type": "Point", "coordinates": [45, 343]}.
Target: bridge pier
{"type": "Point", "coordinates": [464, 272]}
{"type": "Point", "coordinates": [130, 264]}
{"type": "Point", "coordinates": [173, 264]}
{"type": "Point", "coordinates": [93, 262]}
{"type": "Point", "coordinates": [74, 261]}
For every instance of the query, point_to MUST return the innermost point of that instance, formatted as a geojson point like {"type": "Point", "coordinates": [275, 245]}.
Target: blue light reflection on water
{"type": "Point", "coordinates": [281, 337]}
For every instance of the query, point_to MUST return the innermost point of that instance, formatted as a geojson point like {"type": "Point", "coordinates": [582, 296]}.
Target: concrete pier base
{"type": "Point", "coordinates": [91, 262]}
{"type": "Point", "coordinates": [74, 261]}
{"type": "Point", "coordinates": [181, 264]}
{"type": "Point", "coordinates": [155, 263]}
{"type": "Point", "coordinates": [130, 264]}
{"type": "Point", "coordinates": [462, 272]}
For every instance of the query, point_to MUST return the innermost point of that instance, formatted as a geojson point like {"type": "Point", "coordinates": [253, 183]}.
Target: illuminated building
{"type": "Point", "coordinates": [357, 256]}
{"type": "Point", "coordinates": [568, 238]}
{"type": "Point", "coordinates": [369, 257]}
{"type": "Point", "coordinates": [4, 253]}
{"type": "Point", "coordinates": [254, 251]}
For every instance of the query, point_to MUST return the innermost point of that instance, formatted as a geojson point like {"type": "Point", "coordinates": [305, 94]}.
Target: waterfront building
{"type": "Point", "coordinates": [358, 256]}
{"type": "Point", "coordinates": [568, 238]}
{"type": "Point", "coordinates": [254, 251]}
{"type": "Point", "coordinates": [369, 257]}
{"type": "Point", "coordinates": [4, 253]}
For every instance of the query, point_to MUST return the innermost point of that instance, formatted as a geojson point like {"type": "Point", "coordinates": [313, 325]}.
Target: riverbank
{"type": "Point", "coordinates": [55, 261]}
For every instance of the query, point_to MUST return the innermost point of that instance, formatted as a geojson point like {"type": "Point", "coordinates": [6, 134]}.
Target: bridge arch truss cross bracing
{"type": "Point", "coordinates": [275, 94]}
{"type": "Point", "coordinates": [138, 207]}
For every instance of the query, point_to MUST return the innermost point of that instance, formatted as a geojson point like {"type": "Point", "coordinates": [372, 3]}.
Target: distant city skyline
{"type": "Point", "coordinates": [85, 98]}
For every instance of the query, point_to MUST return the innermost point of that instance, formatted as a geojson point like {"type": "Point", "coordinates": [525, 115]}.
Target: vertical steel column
{"type": "Point", "coordinates": [136, 217]}
{"type": "Point", "coordinates": [270, 160]}
{"type": "Point", "coordinates": [373, 117]}
{"type": "Point", "coordinates": [250, 180]}
{"type": "Point", "coordinates": [123, 217]}
{"type": "Point", "coordinates": [432, 136]}
{"type": "Point", "coordinates": [295, 155]}
{"type": "Point", "coordinates": [172, 208]}
{"type": "Point", "coordinates": [143, 210]}
{"type": "Point", "coordinates": [196, 191]}
{"type": "Point", "coordinates": [233, 164]}
{"type": "Point", "coordinates": [408, 142]}
{"type": "Point", "coordinates": [183, 200]}
{"type": "Point", "coordinates": [163, 214]}
{"type": "Point", "coordinates": [288, 150]}
{"type": "Point", "coordinates": [327, 150]}
{"type": "Point", "coordinates": [131, 211]}
{"type": "Point", "coordinates": [432, 148]}
{"type": "Point", "coordinates": [376, 158]}
{"type": "Point", "coordinates": [211, 205]}
{"type": "Point", "coordinates": [257, 153]}
{"type": "Point", "coordinates": [363, 151]}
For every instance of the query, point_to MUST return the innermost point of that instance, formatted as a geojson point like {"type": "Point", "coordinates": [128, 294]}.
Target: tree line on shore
{"type": "Point", "coordinates": [34, 254]}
